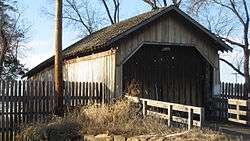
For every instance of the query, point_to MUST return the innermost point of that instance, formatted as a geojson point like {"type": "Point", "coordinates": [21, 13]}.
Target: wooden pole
{"type": "Point", "coordinates": [58, 80]}
{"type": "Point", "coordinates": [170, 109]}
{"type": "Point", "coordinates": [144, 108]}
{"type": "Point", "coordinates": [190, 118]}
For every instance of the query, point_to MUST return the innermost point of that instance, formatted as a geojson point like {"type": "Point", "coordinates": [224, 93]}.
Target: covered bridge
{"type": "Point", "coordinates": [171, 56]}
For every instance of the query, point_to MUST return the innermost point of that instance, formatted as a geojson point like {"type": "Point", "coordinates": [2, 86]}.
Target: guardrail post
{"type": "Point", "coordinates": [238, 110]}
{"type": "Point", "coordinates": [144, 108]}
{"type": "Point", "coordinates": [202, 117]}
{"type": "Point", "coordinates": [190, 118]}
{"type": "Point", "coordinates": [170, 107]}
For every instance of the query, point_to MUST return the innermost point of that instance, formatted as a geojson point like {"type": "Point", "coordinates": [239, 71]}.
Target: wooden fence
{"type": "Point", "coordinates": [171, 107]}
{"type": "Point", "coordinates": [23, 102]}
{"type": "Point", "coordinates": [233, 91]}
{"type": "Point", "coordinates": [220, 103]}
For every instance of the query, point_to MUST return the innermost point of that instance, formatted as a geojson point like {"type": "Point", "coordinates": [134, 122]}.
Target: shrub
{"type": "Point", "coordinates": [133, 88]}
{"type": "Point", "coordinates": [56, 129]}
{"type": "Point", "coordinates": [119, 118]}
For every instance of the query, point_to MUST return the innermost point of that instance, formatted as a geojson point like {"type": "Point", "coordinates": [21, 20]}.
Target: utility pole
{"type": "Point", "coordinates": [58, 77]}
{"type": "Point", "coordinates": [236, 77]}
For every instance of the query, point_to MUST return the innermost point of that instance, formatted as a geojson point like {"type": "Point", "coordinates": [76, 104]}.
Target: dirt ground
{"type": "Point", "coordinates": [241, 132]}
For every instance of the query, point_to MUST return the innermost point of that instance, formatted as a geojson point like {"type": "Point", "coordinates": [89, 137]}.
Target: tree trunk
{"type": "Point", "coordinates": [1, 63]}
{"type": "Point", "coordinates": [3, 45]}
{"type": "Point", "coordinates": [246, 71]}
{"type": "Point", "coordinates": [58, 77]}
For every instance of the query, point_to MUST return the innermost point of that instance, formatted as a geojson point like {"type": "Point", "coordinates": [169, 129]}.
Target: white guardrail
{"type": "Point", "coordinates": [191, 110]}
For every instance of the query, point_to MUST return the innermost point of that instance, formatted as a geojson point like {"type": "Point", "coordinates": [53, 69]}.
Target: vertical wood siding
{"type": "Point", "coordinates": [99, 67]}
{"type": "Point", "coordinates": [169, 29]}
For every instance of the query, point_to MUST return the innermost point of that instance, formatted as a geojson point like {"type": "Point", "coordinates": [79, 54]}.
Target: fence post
{"type": "Point", "coordinates": [190, 118]}
{"type": "Point", "coordinates": [144, 108]}
{"type": "Point", "coordinates": [102, 93]}
{"type": "Point", "coordinates": [170, 107]}
{"type": "Point", "coordinates": [248, 113]}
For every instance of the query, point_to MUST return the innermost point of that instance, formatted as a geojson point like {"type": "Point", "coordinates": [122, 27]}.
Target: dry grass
{"type": "Point", "coordinates": [202, 135]}
{"type": "Point", "coordinates": [120, 118]}
{"type": "Point", "coordinates": [133, 88]}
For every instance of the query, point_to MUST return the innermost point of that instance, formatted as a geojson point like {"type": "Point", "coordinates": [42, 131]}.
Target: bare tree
{"type": "Point", "coordinates": [176, 2]}
{"type": "Point", "coordinates": [80, 13]}
{"type": "Point", "coordinates": [238, 10]}
{"type": "Point", "coordinates": [116, 12]}
{"type": "Point", "coordinates": [11, 36]}
{"type": "Point", "coordinates": [86, 18]}
{"type": "Point", "coordinates": [152, 3]}
{"type": "Point", "coordinates": [162, 3]}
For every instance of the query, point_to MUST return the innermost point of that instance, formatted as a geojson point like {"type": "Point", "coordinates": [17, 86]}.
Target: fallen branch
{"type": "Point", "coordinates": [166, 136]}
{"type": "Point", "coordinates": [177, 134]}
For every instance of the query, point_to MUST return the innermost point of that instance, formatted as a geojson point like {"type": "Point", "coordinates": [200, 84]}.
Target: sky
{"type": "Point", "coordinates": [40, 42]}
{"type": "Point", "coordinates": [39, 45]}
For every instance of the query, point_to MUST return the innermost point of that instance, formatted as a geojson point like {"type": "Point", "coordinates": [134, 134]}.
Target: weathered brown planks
{"type": "Point", "coordinates": [176, 76]}
{"type": "Point", "coordinates": [23, 102]}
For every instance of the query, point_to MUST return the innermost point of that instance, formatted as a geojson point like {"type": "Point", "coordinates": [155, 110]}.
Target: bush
{"type": "Point", "coordinates": [56, 129]}
{"type": "Point", "coordinates": [119, 118]}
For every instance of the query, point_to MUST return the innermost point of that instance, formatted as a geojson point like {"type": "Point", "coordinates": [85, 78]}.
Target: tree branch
{"type": "Point", "coordinates": [232, 42]}
{"type": "Point", "coordinates": [165, 2]}
{"type": "Point", "coordinates": [116, 10]}
{"type": "Point", "coordinates": [176, 2]}
{"type": "Point", "coordinates": [236, 12]}
{"type": "Point", "coordinates": [71, 18]}
{"type": "Point", "coordinates": [233, 9]}
{"type": "Point", "coordinates": [108, 11]}
{"type": "Point", "coordinates": [232, 66]}
{"type": "Point", "coordinates": [73, 6]}
{"type": "Point", "coordinates": [246, 26]}
{"type": "Point", "coordinates": [246, 9]}
{"type": "Point", "coordinates": [247, 13]}
{"type": "Point", "coordinates": [152, 4]}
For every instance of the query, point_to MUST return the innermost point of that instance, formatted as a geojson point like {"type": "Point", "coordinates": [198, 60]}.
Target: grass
{"type": "Point", "coordinates": [119, 118]}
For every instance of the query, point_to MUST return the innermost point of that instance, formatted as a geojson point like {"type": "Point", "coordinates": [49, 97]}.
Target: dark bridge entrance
{"type": "Point", "coordinates": [170, 73]}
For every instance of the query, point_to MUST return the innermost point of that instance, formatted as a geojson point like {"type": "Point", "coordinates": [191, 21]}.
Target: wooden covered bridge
{"type": "Point", "coordinates": [171, 56]}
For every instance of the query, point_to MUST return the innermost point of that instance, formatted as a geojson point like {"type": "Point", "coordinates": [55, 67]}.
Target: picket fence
{"type": "Point", "coordinates": [24, 102]}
